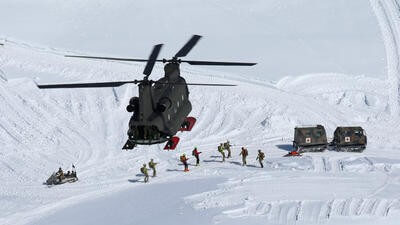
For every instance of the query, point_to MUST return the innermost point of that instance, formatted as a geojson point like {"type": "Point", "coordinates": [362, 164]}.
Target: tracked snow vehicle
{"type": "Point", "coordinates": [310, 139]}
{"type": "Point", "coordinates": [55, 179]}
{"type": "Point", "coordinates": [349, 139]}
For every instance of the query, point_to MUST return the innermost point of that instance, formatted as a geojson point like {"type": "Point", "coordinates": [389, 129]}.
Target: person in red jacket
{"type": "Point", "coordinates": [196, 154]}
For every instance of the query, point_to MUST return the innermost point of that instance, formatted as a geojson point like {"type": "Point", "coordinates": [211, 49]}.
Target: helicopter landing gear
{"type": "Point", "coordinates": [188, 124]}
{"type": "Point", "coordinates": [129, 145]}
{"type": "Point", "coordinates": [172, 143]}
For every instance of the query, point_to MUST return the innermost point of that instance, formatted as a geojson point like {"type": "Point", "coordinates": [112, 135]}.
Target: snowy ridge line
{"type": "Point", "coordinates": [388, 15]}
{"type": "Point", "coordinates": [288, 211]}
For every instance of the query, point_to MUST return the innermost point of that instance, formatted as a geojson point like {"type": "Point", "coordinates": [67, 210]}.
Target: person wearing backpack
{"type": "Point", "coordinates": [152, 165]}
{"type": "Point", "coordinates": [145, 173]}
{"type": "Point", "coordinates": [244, 153]}
{"type": "Point", "coordinates": [221, 150]}
{"type": "Point", "coordinates": [184, 161]}
{"type": "Point", "coordinates": [260, 157]}
{"type": "Point", "coordinates": [196, 154]}
{"type": "Point", "coordinates": [227, 147]}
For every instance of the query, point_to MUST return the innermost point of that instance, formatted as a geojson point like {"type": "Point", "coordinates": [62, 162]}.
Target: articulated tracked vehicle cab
{"type": "Point", "coordinates": [349, 139]}
{"type": "Point", "coordinates": [310, 139]}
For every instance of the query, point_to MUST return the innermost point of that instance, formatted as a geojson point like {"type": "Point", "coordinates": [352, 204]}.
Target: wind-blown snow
{"type": "Point", "coordinates": [43, 129]}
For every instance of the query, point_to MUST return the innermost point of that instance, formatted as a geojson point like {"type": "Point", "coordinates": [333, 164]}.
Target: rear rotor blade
{"type": "Point", "coordinates": [86, 85]}
{"type": "Point", "coordinates": [211, 63]}
{"type": "Point", "coordinates": [152, 60]}
{"type": "Point", "coordinates": [109, 58]}
{"type": "Point", "coordinates": [188, 46]}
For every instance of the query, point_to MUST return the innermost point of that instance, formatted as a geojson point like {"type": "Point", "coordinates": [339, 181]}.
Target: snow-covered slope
{"type": "Point", "coordinates": [288, 37]}
{"type": "Point", "coordinates": [43, 129]}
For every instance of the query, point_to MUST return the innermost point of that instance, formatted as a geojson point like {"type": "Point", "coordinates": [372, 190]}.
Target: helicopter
{"type": "Point", "coordinates": [162, 107]}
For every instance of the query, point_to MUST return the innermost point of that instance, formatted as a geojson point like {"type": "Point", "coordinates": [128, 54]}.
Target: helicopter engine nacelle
{"type": "Point", "coordinates": [133, 104]}
{"type": "Point", "coordinates": [163, 104]}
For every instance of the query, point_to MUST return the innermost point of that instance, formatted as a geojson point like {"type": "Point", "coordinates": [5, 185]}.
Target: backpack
{"type": "Point", "coordinates": [245, 152]}
{"type": "Point", "coordinates": [183, 158]}
{"type": "Point", "coordinates": [142, 169]}
{"type": "Point", "coordinates": [262, 155]}
{"type": "Point", "coordinates": [194, 152]}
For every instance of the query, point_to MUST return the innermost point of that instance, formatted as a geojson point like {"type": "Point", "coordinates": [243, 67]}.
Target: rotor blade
{"type": "Point", "coordinates": [198, 84]}
{"type": "Point", "coordinates": [188, 46]}
{"type": "Point", "coordinates": [109, 58]}
{"type": "Point", "coordinates": [152, 60]}
{"type": "Point", "coordinates": [86, 85]}
{"type": "Point", "coordinates": [211, 63]}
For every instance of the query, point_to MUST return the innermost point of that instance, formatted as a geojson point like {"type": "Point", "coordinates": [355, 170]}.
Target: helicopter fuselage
{"type": "Point", "coordinates": [160, 109]}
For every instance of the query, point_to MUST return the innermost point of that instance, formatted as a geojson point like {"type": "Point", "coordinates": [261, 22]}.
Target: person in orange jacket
{"type": "Point", "coordinates": [184, 161]}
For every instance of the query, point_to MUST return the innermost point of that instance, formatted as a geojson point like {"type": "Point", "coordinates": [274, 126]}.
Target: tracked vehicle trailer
{"type": "Point", "coordinates": [349, 139]}
{"type": "Point", "coordinates": [310, 139]}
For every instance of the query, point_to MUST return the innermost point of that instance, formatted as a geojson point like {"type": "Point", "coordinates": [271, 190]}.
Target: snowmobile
{"type": "Point", "coordinates": [56, 178]}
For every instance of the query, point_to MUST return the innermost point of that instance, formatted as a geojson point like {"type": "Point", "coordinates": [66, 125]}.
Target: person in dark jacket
{"type": "Point", "coordinates": [260, 158]}
{"type": "Point", "coordinates": [196, 154]}
{"type": "Point", "coordinates": [244, 153]}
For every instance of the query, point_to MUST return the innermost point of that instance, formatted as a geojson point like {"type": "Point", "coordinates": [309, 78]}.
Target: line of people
{"type": "Point", "coordinates": [221, 148]}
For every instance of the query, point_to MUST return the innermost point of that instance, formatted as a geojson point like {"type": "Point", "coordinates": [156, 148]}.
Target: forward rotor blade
{"type": "Point", "coordinates": [188, 46]}
{"type": "Point", "coordinates": [86, 85]}
{"type": "Point", "coordinates": [109, 58]}
{"type": "Point", "coordinates": [199, 84]}
{"type": "Point", "coordinates": [152, 60]}
{"type": "Point", "coordinates": [211, 63]}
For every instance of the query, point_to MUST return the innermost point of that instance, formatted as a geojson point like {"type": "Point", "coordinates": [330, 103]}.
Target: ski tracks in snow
{"type": "Point", "coordinates": [388, 14]}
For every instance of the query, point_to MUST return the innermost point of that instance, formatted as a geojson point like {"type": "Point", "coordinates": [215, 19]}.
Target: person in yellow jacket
{"type": "Point", "coordinates": [145, 173]}
{"type": "Point", "coordinates": [152, 166]}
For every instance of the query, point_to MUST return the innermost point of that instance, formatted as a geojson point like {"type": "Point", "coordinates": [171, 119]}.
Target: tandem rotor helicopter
{"type": "Point", "coordinates": [163, 106]}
